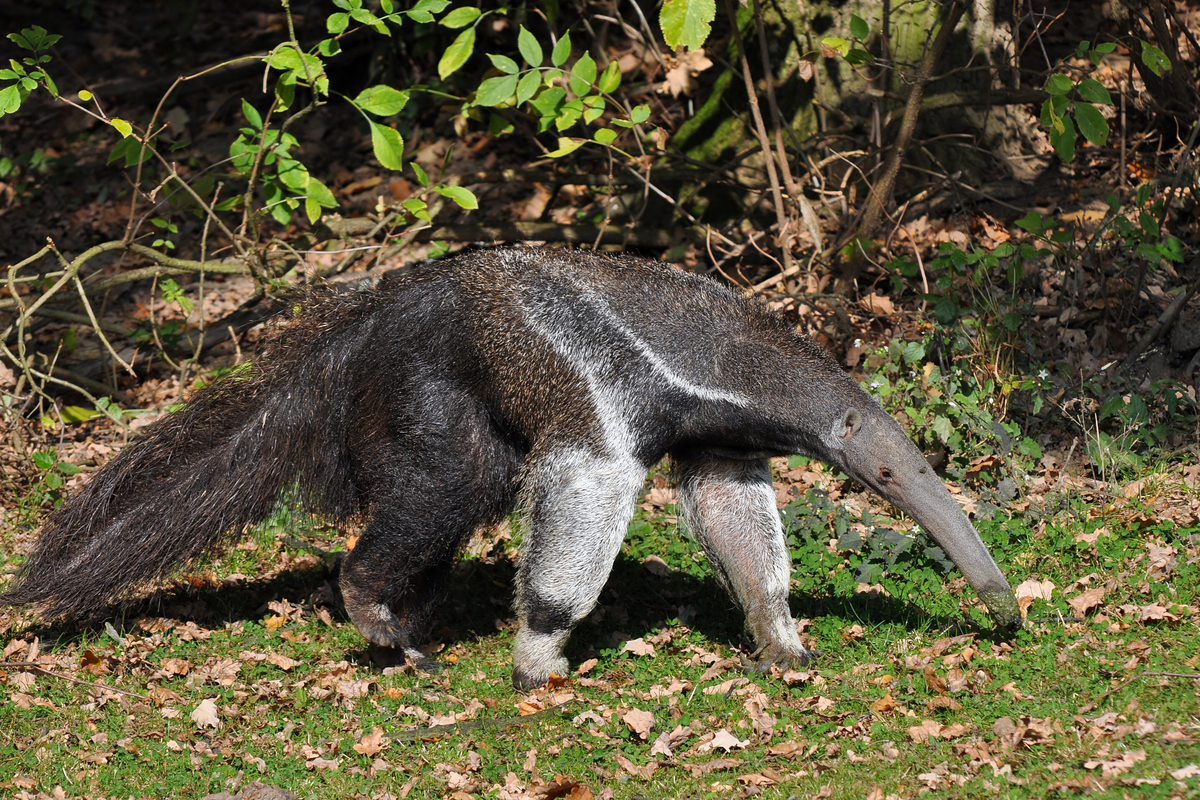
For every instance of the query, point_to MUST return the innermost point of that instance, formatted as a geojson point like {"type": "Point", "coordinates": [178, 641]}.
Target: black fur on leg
{"type": "Point", "coordinates": [453, 473]}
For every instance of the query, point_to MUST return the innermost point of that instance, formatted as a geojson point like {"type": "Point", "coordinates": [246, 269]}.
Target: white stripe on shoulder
{"type": "Point", "coordinates": [661, 367]}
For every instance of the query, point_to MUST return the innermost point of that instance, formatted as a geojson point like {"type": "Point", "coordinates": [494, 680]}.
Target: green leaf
{"type": "Point", "coordinates": [610, 80]}
{"type": "Point", "coordinates": [504, 64]}
{"type": "Point", "coordinates": [251, 114]}
{"type": "Point", "coordinates": [1171, 249]}
{"type": "Point", "coordinates": [857, 57]}
{"type": "Point", "coordinates": [1147, 251]}
{"type": "Point", "coordinates": [431, 6]}
{"type": "Point", "coordinates": [78, 413]}
{"type": "Point", "coordinates": [606, 136]}
{"type": "Point", "coordinates": [85, 95]}
{"type": "Point", "coordinates": [583, 74]}
{"type": "Point", "coordinates": [942, 427]}
{"type": "Point", "coordinates": [44, 459]}
{"type": "Point", "coordinates": [422, 178]}
{"type": "Point", "coordinates": [566, 146]}
{"type": "Point", "coordinates": [568, 115]}
{"type": "Point", "coordinates": [10, 99]}
{"type": "Point", "coordinates": [457, 53]}
{"type": "Point", "coordinates": [687, 23]}
{"type": "Point", "coordinates": [382, 100]}
{"type": "Point", "coordinates": [859, 28]}
{"type": "Point", "coordinates": [1094, 92]}
{"type": "Point", "coordinates": [495, 91]}
{"type": "Point", "coordinates": [461, 17]}
{"type": "Point", "coordinates": [1064, 142]}
{"type": "Point", "coordinates": [549, 101]}
{"type": "Point", "coordinates": [1106, 48]}
{"type": "Point", "coordinates": [1092, 123]}
{"type": "Point", "coordinates": [320, 193]}
{"type": "Point", "coordinates": [123, 127]}
{"type": "Point", "coordinates": [594, 107]}
{"type": "Point", "coordinates": [1059, 84]}
{"type": "Point", "coordinates": [528, 86]}
{"type": "Point", "coordinates": [388, 146]}
{"type": "Point", "coordinates": [836, 44]}
{"type": "Point", "coordinates": [1155, 59]}
{"type": "Point", "coordinates": [1148, 223]}
{"type": "Point", "coordinates": [499, 126]}
{"type": "Point", "coordinates": [531, 49]}
{"type": "Point", "coordinates": [337, 23]}
{"type": "Point", "coordinates": [459, 195]}
{"type": "Point", "coordinates": [640, 114]}
{"type": "Point", "coordinates": [561, 51]}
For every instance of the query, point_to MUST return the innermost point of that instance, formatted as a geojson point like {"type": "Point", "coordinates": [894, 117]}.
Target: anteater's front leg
{"type": "Point", "coordinates": [728, 505]}
{"type": "Point", "coordinates": [579, 505]}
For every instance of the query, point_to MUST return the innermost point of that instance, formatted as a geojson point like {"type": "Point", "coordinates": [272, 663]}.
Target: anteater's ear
{"type": "Point", "coordinates": [847, 426]}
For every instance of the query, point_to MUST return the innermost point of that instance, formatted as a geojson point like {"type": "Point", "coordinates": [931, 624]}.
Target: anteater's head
{"type": "Point", "coordinates": [869, 446]}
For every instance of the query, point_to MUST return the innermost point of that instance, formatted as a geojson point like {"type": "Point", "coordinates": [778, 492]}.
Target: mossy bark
{"type": "Point", "coordinates": [842, 98]}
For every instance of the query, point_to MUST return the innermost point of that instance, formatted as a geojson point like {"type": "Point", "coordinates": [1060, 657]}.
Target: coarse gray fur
{"type": "Point", "coordinates": [548, 380]}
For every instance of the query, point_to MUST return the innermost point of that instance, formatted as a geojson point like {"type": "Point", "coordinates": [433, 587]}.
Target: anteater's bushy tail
{"type": "Point", "coordinates": [200, 475]}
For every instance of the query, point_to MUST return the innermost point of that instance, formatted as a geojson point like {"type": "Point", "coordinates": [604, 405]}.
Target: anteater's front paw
{"type": "Point", "coordinates": [781, 656]}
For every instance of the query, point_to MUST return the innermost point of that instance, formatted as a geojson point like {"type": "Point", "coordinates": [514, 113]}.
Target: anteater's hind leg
{"type": "Point", "coordinates": [728, 506]}
{"type": "Point", "coordinates": [440, 488]}
{"type": "Point", "coordinates": [579, 507]}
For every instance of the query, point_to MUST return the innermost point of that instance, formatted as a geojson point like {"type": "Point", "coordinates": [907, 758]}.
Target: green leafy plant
{"type": "Point", "coordinates": [47, 489]}
{"type": "Point", "coordinates": [1072, 104]}
{"type": "Point", "coordinates": [833, 552]}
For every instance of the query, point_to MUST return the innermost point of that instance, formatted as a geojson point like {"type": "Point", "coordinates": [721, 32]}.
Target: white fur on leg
{"type": "Point", "coordinates": [729, 507]}
{"type": "Point", "coordinates": [580, 505]}
{"type": "Point", "coordinates": [536, 656]}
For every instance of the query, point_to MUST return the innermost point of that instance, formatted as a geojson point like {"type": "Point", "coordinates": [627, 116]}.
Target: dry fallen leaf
{"type": "Point", "coordinates": [281, 661]}
{"type": "Point", "coordinates": [925, 731]}
{"type": "Point", "coordinates": [724, 740]}
{"type": "Point", "coordinates": [1156, 611]}
{"type": "Point", "coordinates": [767, 777]}
{"type": "Point", "coordinates": [371, 744]}
{"type": "Point", "coordinates": [205, 714]}
{"type": "Point", "coordinates": [645, 773]}
{"type": "Point", "coordinates": [878, 305]}
{"type": "Point", "coordinates": [787, 749]}
{"type": "Point", "coordinates": [638, 721]}
{"type": "Point", "coordinates": [1116, 766]}
{"type": "Point", "coordinates": [1033, 588]}
{"type": "Point", "coordinates": [639, 647]}
{"type": "Point", "coordinates": [1086, 601]}
{"type": "Point", "coordinates": [667, 742]}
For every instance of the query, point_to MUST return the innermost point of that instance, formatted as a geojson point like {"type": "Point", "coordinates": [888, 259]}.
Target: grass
{"type": "Point", "coordinates": [912, 692]}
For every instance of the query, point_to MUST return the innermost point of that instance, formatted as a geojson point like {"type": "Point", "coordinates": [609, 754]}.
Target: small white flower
{"type": "Point", "coordinates": [916, 529]}
{"type": "Point", "coordinates": [858, 342]}
{"type": "Point", "coordinates": [1043, 374]}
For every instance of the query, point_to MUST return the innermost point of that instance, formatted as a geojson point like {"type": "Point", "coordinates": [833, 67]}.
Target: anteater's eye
{"type": "Point", "coordinates": [885, 475]}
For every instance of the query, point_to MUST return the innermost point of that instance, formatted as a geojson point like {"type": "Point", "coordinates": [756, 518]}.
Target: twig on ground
{"type": "Point", "coordinates": [61, 677]}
